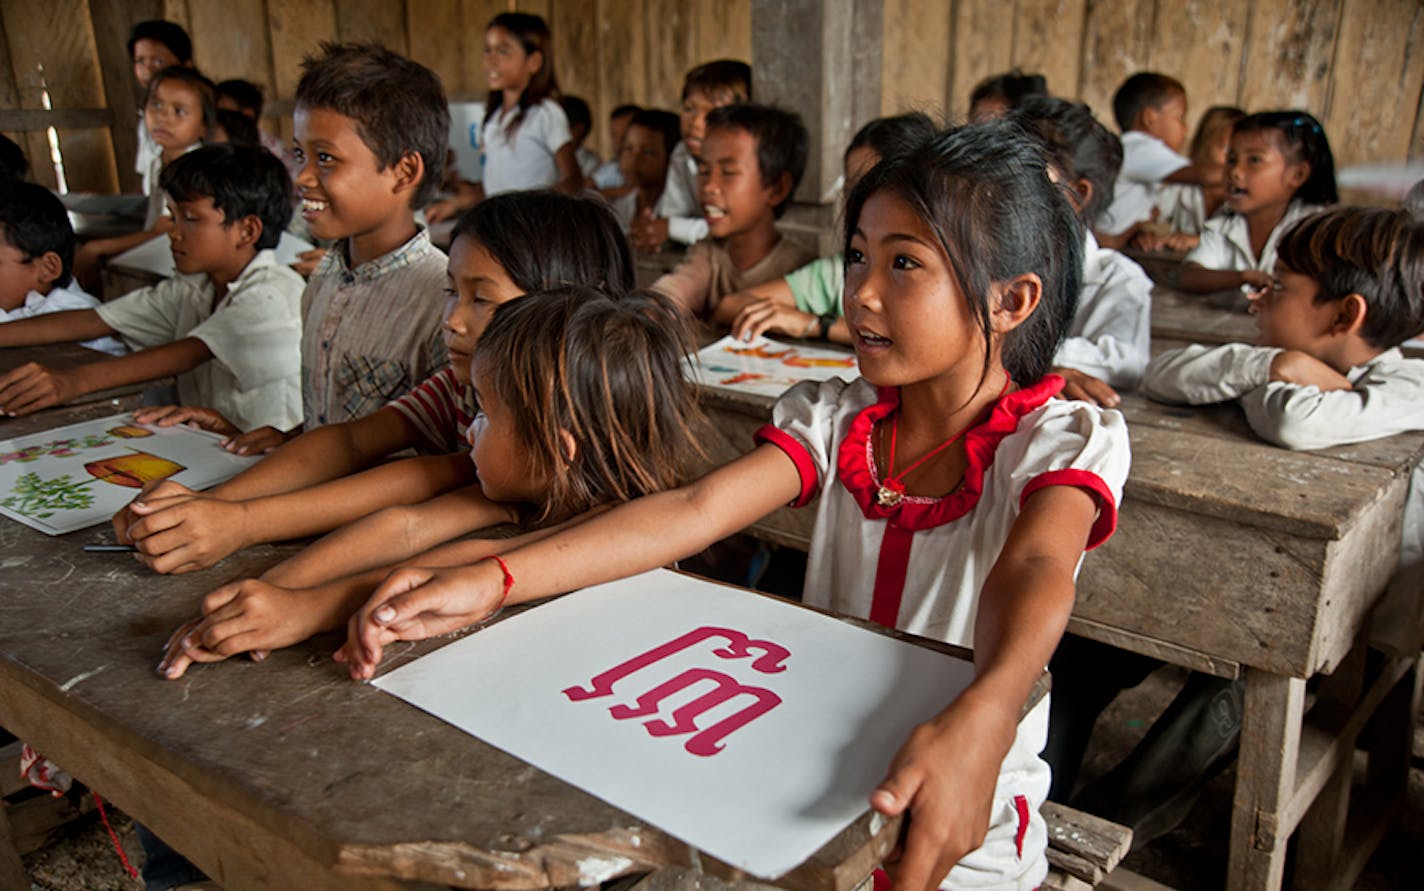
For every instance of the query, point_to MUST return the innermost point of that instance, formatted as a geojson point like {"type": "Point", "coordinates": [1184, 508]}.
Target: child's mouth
{"type": "Point", "coordinates": [872, 341]}
{"type": "Point", "coordinates": [712, 212]}
{"type": "Point", "coordinates": [311, 207]}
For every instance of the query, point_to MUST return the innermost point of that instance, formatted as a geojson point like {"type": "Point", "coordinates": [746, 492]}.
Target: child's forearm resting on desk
{"type": "Point", "coordinates": [644, 534]}
{"type": "Point", "coordinates": [390, 535]}
{"type": "Point", "coordinates": [183, 531]}
{"type": "Point", "coordinates": [66, 326]}
{"type": "Point", "coordinates": [33, 386]}
{"type": "Point", "coordinates": [1023, 610]}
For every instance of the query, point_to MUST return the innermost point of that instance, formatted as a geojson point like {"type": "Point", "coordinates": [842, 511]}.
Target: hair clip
{"type": "Point", "coordinates": [1306, 121]}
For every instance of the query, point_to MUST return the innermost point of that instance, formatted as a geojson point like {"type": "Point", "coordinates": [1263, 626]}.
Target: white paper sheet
{"type": "Point", "coordinates": [767, 367]}
{"type": "Point", "coordinates": [156, 254]}
{"type": "Point", "coordinates": [78, 476]}
{"type": "Point", "coordinates": [762, 780]}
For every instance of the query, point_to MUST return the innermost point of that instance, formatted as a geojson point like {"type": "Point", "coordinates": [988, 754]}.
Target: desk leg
{"type": "Point", "coordinates": [12, 869]}
{"type": "Point", "coordinates": [1265, 778]}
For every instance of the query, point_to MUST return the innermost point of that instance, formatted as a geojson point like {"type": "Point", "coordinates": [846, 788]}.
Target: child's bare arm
{"type": "Point", "coordinates": [945, 775]}
{"type": "Point", "coordinates": [1191, 174]}
{"type": "Point", "coordinates": [1199, 279]}
{"type": "Point", "coordinates": [32, 386]}
{"type": "Point", "coordinates": [390, 535]}
{"type": "Point", "coordinates": [652, 531]}
{"type": "Point", "coordinates": [65, 326]}
{"type": "Point", "coordinates": [184, 533]}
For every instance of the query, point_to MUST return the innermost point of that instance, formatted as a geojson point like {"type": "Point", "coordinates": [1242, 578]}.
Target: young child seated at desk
{"type": "Point", "coordinates": [1182, 209]}
{"type": "Point", "coordinates": [648, 143]}
{"type": "Point", "coordinates": [963, 269]}
{"type": "Point", "coordinates": [154, 45]}
{"type": "Point", "coordinates": [1326, 371]}
{"type": "Point", "coordinates": [678, 215]}
{"type": "Point", "coordinates": [36, 256]}
{"type": "Point", "coordinates": [608, 178]}
{"type": "Point", "coordinates": [503, 248]}
{"type": "Point", "coordinates": [226, 325]}
{"type": "Point", "coordinates": [1151, 112]}
{"type": "Point", "coordinates": [583, 404]}
{"type": "Point", "coordinates": [807, 302]}
{"type": "Point", "coordinates": [1279, 170]}
{"type": "Point", "coordinates": [749, 166]}
{"type": "Point", "coordinates": [1109, 339]}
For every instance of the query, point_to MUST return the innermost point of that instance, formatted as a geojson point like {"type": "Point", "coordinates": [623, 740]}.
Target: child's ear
{"type": "Point", "coordinates": [569, 445]}
{"type": "Point", "coordinates": [780, 190]}
{"type": "Point", "coordinates": [1297, 173]}
{"type": "Point", "coordinates": [1017, 299]}
{"type": "Point", "coordinates": [50, 267]}
{"type": "Point", "coordinates": [1081, 195]}
{"type": "Point", "coordinates": [410, 170]}
{"type": "Point", "coordinates": [1350, 318]}
{"type": "Point", "coordinates": [249, 230]}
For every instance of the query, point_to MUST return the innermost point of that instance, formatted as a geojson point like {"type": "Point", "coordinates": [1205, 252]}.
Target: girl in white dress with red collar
{"type": "Point", "coordinates": [956, 495]}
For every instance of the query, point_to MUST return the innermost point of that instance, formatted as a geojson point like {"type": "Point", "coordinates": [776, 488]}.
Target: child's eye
{"type": "Point", "coordinates": [324, 158]}
{"type": "Point", "coordinates": [854, 257]}
{"type": "Point", "coordinates": [903, 262]}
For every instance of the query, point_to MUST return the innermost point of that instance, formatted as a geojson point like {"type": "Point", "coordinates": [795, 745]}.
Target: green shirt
{"type": "Point", "coordinates": [817, 286]}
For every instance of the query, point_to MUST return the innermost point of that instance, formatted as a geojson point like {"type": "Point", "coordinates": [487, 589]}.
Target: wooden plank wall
{"type": "Point", "coordinates": [607, 51]}
{"type": "Point", "coordinates": [1358, 65]}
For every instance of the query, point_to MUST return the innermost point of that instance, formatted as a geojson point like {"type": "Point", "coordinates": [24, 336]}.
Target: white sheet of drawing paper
{"type": "Point", "coordinates": [767, 367]}
{"type": "Point", "coordinates": [590, 688]}
{"type": "Point", "coordinates": [65, 479]}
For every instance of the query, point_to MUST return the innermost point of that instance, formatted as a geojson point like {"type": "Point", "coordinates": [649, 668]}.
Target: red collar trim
{"type": "Point", "coordinates": [855, 462]}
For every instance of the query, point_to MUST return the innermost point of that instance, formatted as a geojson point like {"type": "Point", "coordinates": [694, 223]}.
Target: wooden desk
{"type": "Point", "coordinates": [61, 356]}
{"type": "Point", "coordinates": [286, 773]}
{"type": "Point", "coordinates": [1232, 557]}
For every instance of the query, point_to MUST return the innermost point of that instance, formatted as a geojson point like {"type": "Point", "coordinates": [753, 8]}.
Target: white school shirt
{"type": "Point", "coordinates": [608, 175]}
{"type": "Point", "coordinates": [1183, 207]}
{"type": "Point", "coordinates": [524, 159]}
{"type": "Point", "coordinates": [254, 377]}
{"type": "Point", "coordinates": [588, 161]}
{"type": "Point", "coordinates": [146, 151]}
{"type": "Point", "coordinates": [71, 296]}
{"type": "Point", "coordinates": [1387, 397]}
{"type": "Point", "coordinates": [678, 204]}
{"type": "Point", "coordinates": [1226, 241]}
{"type": "Point", "coordinates": [1111, 332]}
{"type": "Point", "coordinates": [1146, 161]}
{"type": "Point", "coordinates": [920, 566]}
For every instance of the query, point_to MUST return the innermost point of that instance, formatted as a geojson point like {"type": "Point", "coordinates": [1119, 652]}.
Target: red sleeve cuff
{"type": "Point", "coordinates": [1107, 508]}
{"type": "Point", "coordinates": [805, 466]}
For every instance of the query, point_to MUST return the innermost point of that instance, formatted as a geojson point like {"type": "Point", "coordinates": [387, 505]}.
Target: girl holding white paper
{"type": "Point", "coordinates": [956, 495]}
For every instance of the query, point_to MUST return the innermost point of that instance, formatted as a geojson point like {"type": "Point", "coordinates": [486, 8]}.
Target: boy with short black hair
{"type": "Point", "coordinates": [679, 213]}
{"type": "Point", "coordinates": [37, 259]}
{"type": "Point", "coordinates": [226, 325]}
{"type": "Point", "coordinates": [371, 129]}
{"type": "Point", "coordinates": [647, 146]}
{"type": "Point", "coordinates": [609, 176]}
{"type": "Point", "coordinates": [748, 167]}
{"type": "Point", "coordinates": [1151, 112]}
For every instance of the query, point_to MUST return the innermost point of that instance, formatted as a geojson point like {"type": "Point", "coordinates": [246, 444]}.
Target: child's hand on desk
{"type": "Point", "coordinates": [1303, 369]}
{"type": "Point", "coordinates": [944, 776]}
{"type": "Point", "coordinates": [1082, 386]}
{"type": "Point", "coordinates": [250, 616]}
{"type": "Point", "coordinates": [417, 603]}
{"type": "Point", "coordinates": [256, 442]}
{"type": "Point", "coordinates": [767, 316]}
{"type": "Point", "coordinates": [192, 415]}
{"type": "Point", "coordinates": [648, 233]}
{"type": "Point", "coordinates": [32, 387]}
{"type": "Point", "coordinates": [184, 531]}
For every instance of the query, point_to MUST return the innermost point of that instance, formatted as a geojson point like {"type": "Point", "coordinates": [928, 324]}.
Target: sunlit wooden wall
{"type": "Point", "coordinates": [1358, 64]}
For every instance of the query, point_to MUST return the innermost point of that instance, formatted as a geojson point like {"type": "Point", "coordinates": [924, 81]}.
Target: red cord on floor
{"type": "Point", "coordinates": [113, 837]}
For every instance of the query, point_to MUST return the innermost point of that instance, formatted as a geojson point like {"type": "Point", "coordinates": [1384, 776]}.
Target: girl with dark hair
{"type": "Point", "coordinates": [1279, 170]}
{"type": "Point", "coordinates": [582, 404]}
{"type": "Point", "coordinates": [956, 496]}
{"type": "Point", "coordinates": [506, 247]}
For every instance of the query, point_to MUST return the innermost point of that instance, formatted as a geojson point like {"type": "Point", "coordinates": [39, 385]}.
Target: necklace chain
{"type": "Point", "coordinates": [892, 488]}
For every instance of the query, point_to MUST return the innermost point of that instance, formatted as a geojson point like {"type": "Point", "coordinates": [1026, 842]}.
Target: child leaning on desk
{"type": "Point", "coordinates": [959, 286]}
{"type": "Point", "coordinates": [1348, 289]}
{"type": "Point", "coordinates": [227, 324]}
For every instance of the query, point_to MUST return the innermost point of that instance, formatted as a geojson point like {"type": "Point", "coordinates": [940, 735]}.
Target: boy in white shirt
{"type": "Point", "coordinates": [37, 259]}
{"type": "Point", "coordinates": [1326, 371]}
{"type": "Point", "coordinates": [1151, 112]}
{"type": "Point", "coordinates": [227, 325]}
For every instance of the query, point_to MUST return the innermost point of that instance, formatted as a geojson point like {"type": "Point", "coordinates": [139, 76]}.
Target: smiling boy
{"type": "Point", "coordinates": [751, 160]}
{"type": "Point", "coordinates": [226, 324]}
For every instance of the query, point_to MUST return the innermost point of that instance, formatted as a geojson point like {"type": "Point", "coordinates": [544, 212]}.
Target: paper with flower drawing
{"type": "Point", "coordinates": [766, 367]}
{"type": "Point", "coordinates": [78, 476]}
{"type": "Point", "coordinates": [746, 726]}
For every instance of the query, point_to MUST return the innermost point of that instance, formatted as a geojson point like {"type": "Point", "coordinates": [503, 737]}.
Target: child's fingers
{"type": "Point", "coordinates": [181, 632]}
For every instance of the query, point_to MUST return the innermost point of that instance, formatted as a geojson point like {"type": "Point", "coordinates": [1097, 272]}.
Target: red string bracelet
{"type": "Point", "coordinates": [508, 582]}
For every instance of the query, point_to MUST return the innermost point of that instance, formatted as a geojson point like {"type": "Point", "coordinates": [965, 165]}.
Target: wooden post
{"type": "Point", "coordinates": [823, 60]}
